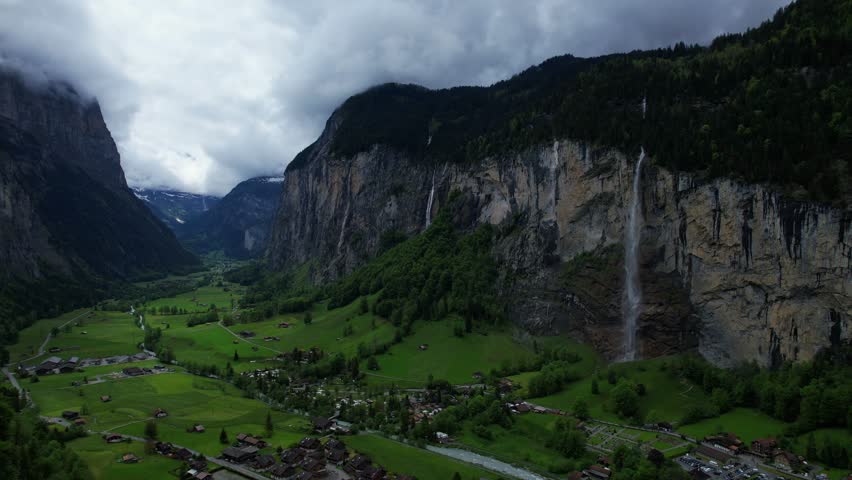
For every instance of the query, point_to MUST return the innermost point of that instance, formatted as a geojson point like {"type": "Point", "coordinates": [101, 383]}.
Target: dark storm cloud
{"type": "Point", "coordinates": [202, 94]}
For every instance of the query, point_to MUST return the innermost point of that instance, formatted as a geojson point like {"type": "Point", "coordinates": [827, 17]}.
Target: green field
{"type": "Point", "coordinates": [523, 444]}
{"type": "Point", "coordinates": [448, 357]}
{"type": "Point", "coordinates": [400, 458]}
{"type": "Point", "coordinates": [325, 331]}
{"type": "Point", "coordinates": [211, 344]}
{"type": "Point", "coordinates": [667, 398]}
{"type": "Point", "coordinates": [106, 334]}
{"type": "Point", "coordinates": [30, 338]}
{"type": "Point", "coordinates": [208, 295]}
{"type": "Point", "coordinates": [103, 460]}
{"type": "Point", "coordinates": [188, 399]}
{"type": "Point", "coordinates": [749, 424]}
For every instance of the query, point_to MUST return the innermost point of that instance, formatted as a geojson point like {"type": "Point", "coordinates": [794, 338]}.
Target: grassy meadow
{"type": "Point", "coordinates": [748, 423]}
{"type": "Point", "coordinates": [103, 334]}
{"type": "Point", "coordinates": [31, 338]}
{"type": "Point", "coordinates": [326, 330]}
{"type": "Point", "coordinates": [448, 357]}
{"type": "Point", "coordinates": [524, 444]}
{"type": "Point", "coordinates": [104, 458]}
{"type": "Point", "coordinates": [188, 399]}
{"type": "Point", "coordinates": [207, 295]}
{"type": "Point", "coordinates": [211, 344]}
{"type": "Point", "coordinates": [667, 397]}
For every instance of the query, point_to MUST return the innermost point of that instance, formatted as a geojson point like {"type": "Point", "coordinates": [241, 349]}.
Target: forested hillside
{"type": "Point", "coordinates": [773, 104]}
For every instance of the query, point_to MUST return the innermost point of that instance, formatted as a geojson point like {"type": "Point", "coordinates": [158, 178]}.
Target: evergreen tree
{"type": "Point", "coordinates": [372, 363]}
{"type": "Point", "coordinates": [236, 356]}
{"type": "Point", "coordinates": [270, 428]}
{"type": "Point", "coordinates": [223, 437]}
{"type": "Point", "coordinates": [151, 430]}
{"type": "Point", "coordinates": [581, 409]}
{"type": "Point", "coordinates": [811, 449]}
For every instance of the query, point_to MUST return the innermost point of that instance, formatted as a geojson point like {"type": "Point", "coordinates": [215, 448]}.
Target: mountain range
{"type": "Point", "coordinates": [175, 208]}
{"type": "Point", "coordinates": [238, 224]}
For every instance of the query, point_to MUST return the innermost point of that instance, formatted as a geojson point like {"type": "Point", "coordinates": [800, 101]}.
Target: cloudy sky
{"type": "Point", "coordinates": [201, 94]}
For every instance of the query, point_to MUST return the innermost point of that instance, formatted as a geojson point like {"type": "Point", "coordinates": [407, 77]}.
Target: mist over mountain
{"type": "Point", "coordinates": [67, 211]}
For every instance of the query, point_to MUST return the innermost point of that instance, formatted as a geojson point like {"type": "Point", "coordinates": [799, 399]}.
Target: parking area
{"type": "Point", "coordinates": [711, 469]}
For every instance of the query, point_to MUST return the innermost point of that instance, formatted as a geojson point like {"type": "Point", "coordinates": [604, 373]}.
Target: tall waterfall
{"type": "Point", "coordinates": [632, 288]}
{"type": "Point", "coordinates": [429, 203]}
{"type": "Point", "coordinates": [632, 307]}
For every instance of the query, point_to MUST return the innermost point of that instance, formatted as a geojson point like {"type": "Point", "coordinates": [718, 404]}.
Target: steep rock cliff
{"type": "Point", "coordinates": [732, 268]}
{"type": "Point", "coordinates": [65, 207]}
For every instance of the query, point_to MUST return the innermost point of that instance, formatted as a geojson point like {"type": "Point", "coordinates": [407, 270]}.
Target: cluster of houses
{"type": "Point", "coordinates": [166, 449]}
{"type": "Point", "coordinates": [594, 472]}
{"type": "Point", "coordinates": [306, 461]}
{"type": "Point", "coordinates": [298, 355]}
{"type": "Point", "coordinates": [53, 365]}
{"type": "Point", "coordinates": [73, 417]}
{"type": "Point", "coordinates": [764, 448]}
{"type": "Point", "coordinates": [423, 410]}
{"type": "Point", "coordinates": [661, 426]}
{"type": "Point", "coordinates": [329, 425]}
{"type": "Point", "coordinates": [524, 407]}
{"type": "Point", "coordinates": [56, 365]}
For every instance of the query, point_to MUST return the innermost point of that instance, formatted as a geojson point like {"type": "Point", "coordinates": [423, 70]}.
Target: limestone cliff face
{"type": "Point", "coordinates": [731, 268]}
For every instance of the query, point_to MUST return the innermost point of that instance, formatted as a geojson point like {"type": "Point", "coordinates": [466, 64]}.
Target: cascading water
{"type": "Point", "coordinates": [432, 196]}
{"type": "Point", "coordinates": [429, 203]}
{"type": "Point", "coordinates": [632, 288]}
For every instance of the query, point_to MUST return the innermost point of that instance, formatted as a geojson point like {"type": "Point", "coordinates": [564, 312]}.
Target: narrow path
{"type": "Point", "coordinates": [49, 336]}
{"type": "Point", "coordinates": [393, 378]}
{"type": "Point", "coordinates": [246, 340]}
{"type": "Point", "coordinates": [13, 380]}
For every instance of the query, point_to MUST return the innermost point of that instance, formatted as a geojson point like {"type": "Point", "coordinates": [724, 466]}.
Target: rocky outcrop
{"type": "Point", "coordinates": [65, 208]}
{"type": "Point", "coordinates": [735, 269]}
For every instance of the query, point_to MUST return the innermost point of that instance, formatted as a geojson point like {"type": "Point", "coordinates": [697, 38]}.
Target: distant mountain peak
{"type": "Point", "coordinates": [174, 207]}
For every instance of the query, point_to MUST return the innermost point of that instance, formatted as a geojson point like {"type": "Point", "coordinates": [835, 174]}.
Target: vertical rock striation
{"type": "Point", "coordinates": [732, 268]}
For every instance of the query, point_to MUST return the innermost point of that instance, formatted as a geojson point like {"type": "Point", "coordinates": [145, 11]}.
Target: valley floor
{"type": "Point", "coordinates": [110, 400]}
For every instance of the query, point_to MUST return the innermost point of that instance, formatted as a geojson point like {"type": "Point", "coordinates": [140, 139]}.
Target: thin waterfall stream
{"type": "Point", "coordinates": [632, 307]}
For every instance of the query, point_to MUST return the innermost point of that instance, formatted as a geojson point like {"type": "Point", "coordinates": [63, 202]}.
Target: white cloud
{"type": "Point", "coordinates": [201, 94]}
